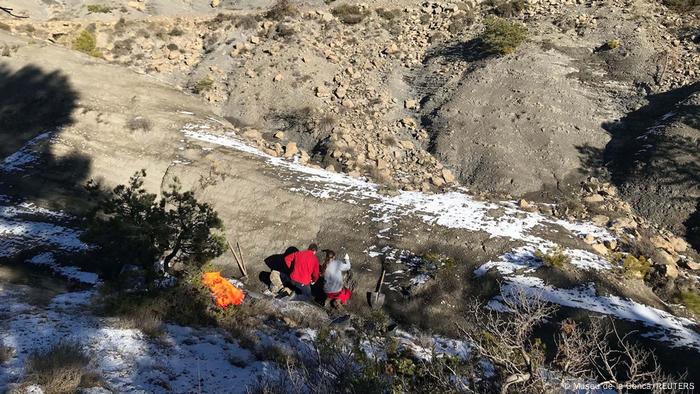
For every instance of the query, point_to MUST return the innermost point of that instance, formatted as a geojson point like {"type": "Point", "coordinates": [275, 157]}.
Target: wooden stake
{"type": "Point", "coordinates": [241, 267]}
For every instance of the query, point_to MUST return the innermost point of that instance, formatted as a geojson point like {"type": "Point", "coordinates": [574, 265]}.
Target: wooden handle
{"type": "Point", "coordinates": [381, 280]}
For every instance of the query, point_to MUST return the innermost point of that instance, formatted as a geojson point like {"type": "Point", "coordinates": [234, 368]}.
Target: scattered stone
{"type": "Point", "coordinates": [610, 244]}
{"type": "Point", "coordinates": [278, 78]}
{"type": "Point", "coordinates": [623, 223]}
{"type": "Point", "coordinates": [137, 5]}
{"type": "Point", "coordinates": [391, 49]}
{"type": "Point", "coordinates": [347, 103]}
{"type": "Point", "coordinates": [593, 199]}
{"type": "Point", "coordinates": [663, 257]}
{"type": "Point", "coordinates": [215, 3]}
{"type": "Point", "coordinates": [600, 220]}
{"type": "Point", "coordinates": [678, 244]}
{"type": "Point", "coordinates": [291, 149]}
{"type": "Point", "coordinates": [600, 248]}
{"type": "Point", "coordinates": [279, 135]}
{"type": "Point", "coordinates": [690, 264]}
{"type": "Point", "coordinates": [252, 134]}
{"type": "Point", "coordinates": [322, 91]}
{"type": "Point", "coordinates": [448, 176]}
{"type": "Point", "coordinates": [410, 104]}
{"type": "Point", "coordinates": [668, 270]}
{"type": "Point", "coordinates": [255, 40]}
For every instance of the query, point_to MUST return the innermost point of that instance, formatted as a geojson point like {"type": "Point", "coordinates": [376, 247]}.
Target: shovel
{"type": "Point", "coordinates": [376, 298]}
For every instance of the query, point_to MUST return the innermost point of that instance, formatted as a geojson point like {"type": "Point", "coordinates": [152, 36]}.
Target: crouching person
{"type": "Point", "coordinates": [333, 279]}
{"type": "Point", "coordinates": [304, 266]}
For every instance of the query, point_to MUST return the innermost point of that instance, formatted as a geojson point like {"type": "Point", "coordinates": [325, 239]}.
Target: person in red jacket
{"type": "Point", "coordinates": [304, 268]}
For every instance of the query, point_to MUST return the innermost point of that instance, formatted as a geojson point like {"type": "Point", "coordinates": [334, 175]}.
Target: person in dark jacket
{"type": "Point", "coordinates": [304, 270]}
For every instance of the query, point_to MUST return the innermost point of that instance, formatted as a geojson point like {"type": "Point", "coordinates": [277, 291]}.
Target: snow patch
{"type": "Point", "coordinates": [22, 159]}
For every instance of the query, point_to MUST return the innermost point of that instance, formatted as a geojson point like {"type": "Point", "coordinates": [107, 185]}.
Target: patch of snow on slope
{"type": "Point", "coordinates": [73, 273]}
{"type": "Point", "coordinates": [24, 226]}
{"type": "Point", "coordinates": [187, 360]}
{"type": "Point", "coordinates": [19, 160]}
{"type": "Point", "coordinates": [452, 210]}
{"type": "Point", "coordinates": [677, 331]}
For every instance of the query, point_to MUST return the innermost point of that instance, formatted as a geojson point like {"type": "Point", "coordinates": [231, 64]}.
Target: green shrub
{"type": "Point", "coordinates": [611, 44]}
{"type": "Point", "coordinates": [682, 5]}
{"type": "Point", "coordinates": [690, 300]}
{"type": "Point", "coordinates": [99, 9]}
{"type": "Point", "coordinates": [555, 258]}
{"type": "Point", "coordinates": [501, 37]}
{"type": "Point", "coordinates": [203, 85]}
{"type": "Point", "coordinates": [131, 226]}
{"type": "Point", "coordinates": [86, 43]}
{"type": "Point", "coordinates": [349, 14]}
{"type": "Point", "coordinates": [636, 267]}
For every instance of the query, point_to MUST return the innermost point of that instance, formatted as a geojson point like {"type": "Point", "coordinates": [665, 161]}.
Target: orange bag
{"type": "Point", "coordinates": [223, 291]}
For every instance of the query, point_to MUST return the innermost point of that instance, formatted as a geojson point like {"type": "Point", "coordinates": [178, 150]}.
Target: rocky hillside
{"type": "Point", "coordinates": [475, 150]}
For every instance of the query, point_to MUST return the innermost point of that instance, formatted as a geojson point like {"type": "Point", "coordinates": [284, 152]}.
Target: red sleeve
{"type": "Point", "coordinates": [289, 258]}
{"type": "Point", "coordinates": [314, 275]}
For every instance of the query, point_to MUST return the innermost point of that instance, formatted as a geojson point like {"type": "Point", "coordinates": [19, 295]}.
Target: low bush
{"type": "Point", "coordinates": [99, 9]}
{"type": "Point", "coordinates": [501, 37]}
{"type": "Point", "coordinates": [281, 10]}
{"type": "Point", "coordinates": [556, 258]}
{"type": "Point", "coordinates": [690, 300]}
{"type": "Point", "coordinates": [176, 32]}
{"type": "Point", "coordinates": [635, 267]}
{"type": "Point", "coordinates": [683, 5]}
{"type": "Point", "coordinates": [58, 370]}
{"type": "Point", "coordinates": [350, 14]}
{"type": "Point", "coordinates": [139, 123]}
{"type": "Point", "coordinates": [612, 44]}
{"type": "Point", "coordinates": [203, 85]}
{"type": "Point", "coordinates": [86, 43]}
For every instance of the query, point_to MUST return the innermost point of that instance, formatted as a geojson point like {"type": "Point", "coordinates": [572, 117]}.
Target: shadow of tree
{"type": "Point", "coordinates": [654, 158]}
{"type": "Point", "coordinates": [35, 106]}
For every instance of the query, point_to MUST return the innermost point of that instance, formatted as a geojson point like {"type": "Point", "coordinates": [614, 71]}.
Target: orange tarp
{"type": "Point", "coordinates": [224, 292]}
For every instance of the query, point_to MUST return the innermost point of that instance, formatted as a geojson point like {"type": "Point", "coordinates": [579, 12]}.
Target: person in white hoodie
{"type": "Point", "coordinates": [333, 286]}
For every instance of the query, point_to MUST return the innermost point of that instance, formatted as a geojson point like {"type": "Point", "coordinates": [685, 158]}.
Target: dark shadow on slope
{"type": "Point", "coordinates": [34, 107]}
{"type": "Point", "coordinates": [32, 102]}
{"type": "Point", "coordinates": [469, 51]}
{"type": "Point", "coordinates": [653, 157]}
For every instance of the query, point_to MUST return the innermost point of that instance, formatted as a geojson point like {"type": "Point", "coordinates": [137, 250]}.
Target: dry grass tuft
{"type": "Point", "coordinates": [139, 123]}
{"type": "Point", "coordinates": [61, 369]}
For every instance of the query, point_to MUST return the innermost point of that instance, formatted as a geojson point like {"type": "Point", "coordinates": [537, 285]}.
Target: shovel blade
{"type": "Point", "coordinates": [376, 300]}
